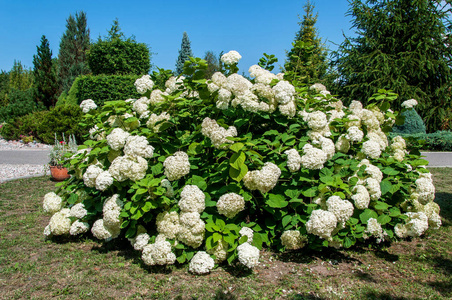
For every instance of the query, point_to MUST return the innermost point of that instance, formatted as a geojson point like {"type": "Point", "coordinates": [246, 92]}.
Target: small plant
{"type": "Point", "coordinates": [26, 138]}
{"type": "Point", "coordinates": [62, 150]}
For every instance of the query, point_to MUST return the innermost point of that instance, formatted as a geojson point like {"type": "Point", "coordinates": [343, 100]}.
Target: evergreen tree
{"type": "Point", "coordinates": [212, 63]}
{"type": "Point", "coordinates": [19, 77]}
{"type": "Point", "coordinates": [74, 44]}
{"type": "Point", "coordinates": [46, 86]}
{"type": "Point", "coordinates": [306, 61]}
{"type": "Point", "coordinates": [184, 54]}
{"type": "Point", "coordinates": [401, 45]}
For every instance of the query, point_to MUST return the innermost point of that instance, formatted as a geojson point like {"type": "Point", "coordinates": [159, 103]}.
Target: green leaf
{"type": "Point", "coordinates": [348, 242]}
{"type": "Point", "coordinates": [216, 237]}
{"type": "Point", "coordinates": [286, 220]}
{"type": "Point", "coordinates": [385, 187]}
{"type": "Point", "coordinates": [238, 175]}
{"type": "Point", "coordinates": [236, 147]}
{"type": "Point", "coordinates": [390, 171]}
{"type": "Point", "coordinates": [367, 214]}
{"type": "Point", "coordinates": [276, 201]}
{"type": "Point", "coordinates": [310, 192]}
{"type": "Point", "coordinates": [381, 206]}
{"type": "Point", "coordinates": [141, 191]}
{"type": "Point", "coordinates": [243, 239]}
{"type": "Point", "coordinates": [383, 219]}
{"type": "Point", "coordinates": [394, 212]}
{"type": "Point", "coordinates": [72, 198]}
{"type": "Point", "coordinates": [237, 160]}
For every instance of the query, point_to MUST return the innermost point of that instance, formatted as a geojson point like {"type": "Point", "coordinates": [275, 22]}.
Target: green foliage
{"type": "Point", "coordinates": [436, 141]}
{"type": "Point", "coordinates": [402, 46]}
{"type": "Point", "coordinates": [74, 44]}
{"type": "Point", "coordinates": [213, 63]}
{"type": "Point", "coordinates": [20, 104]}
{"type": "Point", "coordinates": [25, 125]}
{"type": "Point", "coordinates": [306, 61]}
{"type": "Point", "coordinates": [267, 61]}
{"type": "Point", "coordinates": [20, 78]}
{"type": "Point", "coordinates": [184, 54]}
{"type": "Point", "coordinates": [45, 83]}
{"type": "Point", "coordinates": [413, 123]}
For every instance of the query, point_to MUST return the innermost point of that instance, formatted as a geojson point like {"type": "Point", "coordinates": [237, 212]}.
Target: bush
{"type": "Point", "coordinates": [102, 88]}
{"type": "Point", "coordinates": [20, 103]}
{"type": "Point", "coordinates": [413, 123]}
{"type": "Point", "coordinates": [229, 170]}
{"type": "Point", "coordinates": [437, 141]}
{"type": "Point", "coordinates": [25, 125]}
{"type": "Point", "coordinates": [61, 119]}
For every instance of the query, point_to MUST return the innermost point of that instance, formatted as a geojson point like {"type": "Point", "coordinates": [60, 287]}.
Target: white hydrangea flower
{"type": "Point", "coordinates": [87, 105]}
{"type": "Point", "coordinates": [47, 232]}
{"type": "Point", "coordinates": [409, 103]}
{"type": "Point", "coordinates": [379, 137]}
{"type": "Point", "coordinates": [230, 58]}
{"type": "Point", "coordinates": [371, 149]}
{"type": "Point", "coordinates": [157, 96]}
{"type": "Point", "coordinates": [321, 223]}
{"type": "Point", "coordinates": [292, 240]}
{"type": "Point", "coordinates": [263, 76]}
{"type": "Point", "coordinates": [327, 146]}
{"type": "Point", "coordinates": [398, 143]}
{"type": "Point", "coordinates": [158, 253]}
{"type": "Point", "coordinates": [90, 175]}
{"type": "Point", "coordinates": [78, 227]}
{"type": "Point", "coordinates": [289, 109]}
{"type": "Point", "coordinates": [284, 92]}
{"type": "Point", "coordinates": [100, 231]}
{"type": "Point", "coordinates": [354, 121]}
{"type": "Point", "coordinates": [60, 223]}
{"type": "Point", "coordinates": [168, 224]}
{"type": "Point", "coordinates": [373, 186]}
{"type": "Point", "coordinates": [138, 146]}
{"type": "Point", "coordinates": [154, 119]}
{"type": "Point", "coordinates": [237, 84]}
{"type": "Point", "coordinates": [293, 160]}
{"type": "Point", "coordinates": [248, 255]}
{"type": "Point", "coordinates": [111, 211]}
{"type": "Point", "coordinates": [176, 166]}
{"type": "Point", "coordinates": [212, 87]}
{"type": "Point", "coordinates": [263, 180]}
{"type": "Point", "coordinates": [144, 84]}
{"type": "Point", "coordinates": [399, 155]}
{"type": "Point", "coordinates": [173, 84]}
{"type": "Point", "coordinates": [375, 230]}
{"type": "Point", "coordinates": [141, 241]}
{"type": "Point", "coordinates": [217, 134]}
{"type": "Point", "coordinates": [248, 232]}
{"type": "Point", "coordinates": [192, 199]}
{"type": "Point", "coordinates": [230, 205]}
{"type": "Point", "coordinates": [191, 230]}
{"type": "Point", "coordinates": [224, 97]}
{"type": "Point", "coordinates": [220, 251]}
{"type": "Point", "coordinates": [354, 134]}
{"type": "Point", "coordinates": [361, 197]}
{"type": "Point", "coordinates": [201, 263]}
{"type": "Point", "coordinates": [313, 158]}
{"type": "Point", "coordinates": [103, 181]}
{"type": "Point", "coordinates": [219, 79]}
{"type": "Point", "coordinates": [425, 189]}
{"type": "Point", "coordinates": [127, 167]}
{"type": "Point", "coordinates": [316, 120]}
{"type": "Point", "coordinates": [140, 230]}
{"type": "Point", "coordinates": [415, 225]}
{"type": "Point", "coordinates": [78, 211]}
{"type": "Point", "coordinates": [141, 107]}
{"type": "Point", "coordinates": [369, 119]}
{"type": "Point", "coordinates": [117, 138]}
{"type": "Point", "coordinates": [342, 209]}
{"type": "Point", "coordinates": [342, 144]}
{"type": "Point", "coordinates": [356, 106]}
{"type": "Point", "coordinates": [431, 210]}
{"type": "Point", "coordinates": [52, 203]}
{"type": "Point", "coordinates": [318, 87]}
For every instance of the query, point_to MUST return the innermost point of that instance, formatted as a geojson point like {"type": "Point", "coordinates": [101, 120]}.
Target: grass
{"type": "Point", "coordinates": [33, 268]}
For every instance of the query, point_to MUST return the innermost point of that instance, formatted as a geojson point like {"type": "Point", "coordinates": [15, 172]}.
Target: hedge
{"type": "Point", "coordinates": [439, 141]}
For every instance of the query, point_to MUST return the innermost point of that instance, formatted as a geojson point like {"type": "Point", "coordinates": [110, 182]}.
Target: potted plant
{"type": "Point", "coordinates": [59, 155]}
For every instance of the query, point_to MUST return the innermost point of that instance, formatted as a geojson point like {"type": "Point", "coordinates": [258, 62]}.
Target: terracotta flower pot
{"type": "Point", "coordinates": [59, 173]}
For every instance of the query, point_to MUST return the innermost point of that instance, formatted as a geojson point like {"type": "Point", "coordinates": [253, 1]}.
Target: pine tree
{"type": "Point", "coordinates": [46, 86]}
{"type": "Point", "coordinates": [212, 63]}
{"type": "Point", "coordinates": [401, 45]}
{"type": "Point", "coordinates": [306, 61]}
{"type": "Point", "coordinates": [19, 77]}
{"type": "Point", "coordinates": [75, 42]}
{"type": "Point", "coordinates": [184, 54]}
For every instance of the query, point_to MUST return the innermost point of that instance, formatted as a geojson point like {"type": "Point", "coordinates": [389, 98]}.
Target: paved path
{"type": "Point", "coordinates": [17, 157]}
{"type": "Point", "coordinates": [438, 159]}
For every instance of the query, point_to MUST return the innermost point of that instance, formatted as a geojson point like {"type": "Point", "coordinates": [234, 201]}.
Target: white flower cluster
{"type": "Point", "coordinates": [293, 160]}
{"type": "Point", "coordinates": [230, 58]}
{"type": "Point", "coordinates": [144, 84]}
{"type": "Point", "coordinates": [261, 75]}
{"type": "Point", "coordinates": [137, 146]}
{"type": "Point", "coordinates": [361, 196]}
{"type": "Point", "coordinates": [141, 107]}
{"type": "Point", "coordinates": [78, 211]}
{"type": "Point", "coordinates": [87, 105]}
{"type": "Point", "coordinates": [168, 224]}
{"type": "Point", "coordinates": [176, 166]}
{"type": "Point", "coordinates": [217, 134]}
{"type": "Point", "coordinates": [425, 190]}
{"type": "Point", "coordinates": [248, 232]}
{"type": "Point", "coordinates": [375, 230]}
{"type": "Point", "coordinates": [248, 255]}
{"type": "Point", "coordinates": [158, 253]}
{"type": "Point", "coordinates": [109, 227]}
{"type": "Point", "coordinates": [191, 229]}
{"type": "Point", "coordinates": [154, 119]}
{"type": "Point", "coordinates": [128, 167]}
{"type": "Point", "coordinates": [342, 209]}
{"type": "Point", "coordinates": [52, 203]}
{"type": "Point", "coordinates": [263, 180]}
{"type": "Point", "coordinates": [409, 103]}
{"type": "Point", "coordinates": [117, 138]}
{"type": "Point", "coordinates": [415, 225]}
{"type": "Point", "coordinates": [321, 223]}
{"type": "Point", "coordinates": [201, 263]}
{"type": "Point", "coordinates": [313, 158]}
{"type": "Point", "coordinates": [220, 251]}
{"type": "Point", "coordinates": [292, 239]}
{"type": "Point", "coordinates": [230, 205]}
{"type": "Point", "coordinates": [60, 223]}
{"type": "Point", "coordinates": [78, 227]}
{"type": "Point", "coordinates": [192, 199]}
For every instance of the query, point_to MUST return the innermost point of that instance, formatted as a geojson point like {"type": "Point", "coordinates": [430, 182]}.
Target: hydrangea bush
{"type": "Point", "coordinates": [209, 171]}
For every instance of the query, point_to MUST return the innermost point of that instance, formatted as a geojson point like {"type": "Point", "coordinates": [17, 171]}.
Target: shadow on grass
{"type": "Point", "coordinates": [383, 296]}
{"type": "Point", "coordinates": [444, 201]}
{"type": "Point", "coordinates": [442, 287]}
{"type": "Point", "coordinates": [305, 296]}
{"type": "Point", "coordinates": [306, 256]}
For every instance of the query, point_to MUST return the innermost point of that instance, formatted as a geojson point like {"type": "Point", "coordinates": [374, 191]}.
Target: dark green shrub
{"type": "Point", "coordinates": [437, 141]}
{"type": "Point", "coordinates": [101, 88]}
{"type": "Point", "coordinates": [25, 125]}
{"type": "Point", "coordinates": [20, 103]}
{"type": "Point", "coordinates": [413, 123]}
{"type": "Point", "coordinates": [61, 119]}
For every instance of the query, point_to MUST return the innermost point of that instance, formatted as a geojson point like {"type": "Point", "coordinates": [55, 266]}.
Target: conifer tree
{"type": "Point", "coordinates": [184, 54]}
{"type": "Point", "coordinates": [74, 44]}
{"type": "Point", "coordinates": [212, 63]}
{"type": "Point", "coordinates": [45, 82]}
{"type": "Point", "coordinates": [306, 61]}
{"type": "Point", "coordinates": [400, 45]}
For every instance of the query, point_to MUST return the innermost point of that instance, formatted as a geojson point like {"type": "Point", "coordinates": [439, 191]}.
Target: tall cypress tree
{"type": "Point", "coordinates": [74, 44]}
{"type": "Point", "coordinates": [45, 84]}
{"type": "Point", "coordinates": [184, 54]}
{"type": "Point", "coordinates": [306, 61]}
{"type": "Point", "coordinates": [401, 45]}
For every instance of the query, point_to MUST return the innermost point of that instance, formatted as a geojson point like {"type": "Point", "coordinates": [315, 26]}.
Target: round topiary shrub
{"type": "Point", "coordinates": [413, 123]}
{"type": "Point", "coordinates": [209, 171]}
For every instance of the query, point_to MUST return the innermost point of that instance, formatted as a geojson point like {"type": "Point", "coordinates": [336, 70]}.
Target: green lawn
{"type": "Point", "coordinates": [31, 267]}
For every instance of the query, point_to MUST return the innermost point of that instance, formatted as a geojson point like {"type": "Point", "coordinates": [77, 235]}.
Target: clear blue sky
{"type": "Point", "coordinates": [250, 27]}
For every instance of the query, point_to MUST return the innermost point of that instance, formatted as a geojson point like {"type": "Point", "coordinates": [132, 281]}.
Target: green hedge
{"type": "Point", "coordinates": [101, 88]}
{"type": "Point", "coordinates": [438, 141]}
{"type": "Point", "coordinates": [20, 103]}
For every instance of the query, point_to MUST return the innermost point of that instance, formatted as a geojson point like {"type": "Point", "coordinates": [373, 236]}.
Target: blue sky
{"type": "Point", "coordinates": [250, 27]}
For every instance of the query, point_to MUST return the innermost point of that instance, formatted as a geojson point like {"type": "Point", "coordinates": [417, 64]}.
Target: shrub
{"type": "Point", "coordinates": [20, 103]}
{"type": "Point", "coordinates": [229, 165]}
{"type": "Point", "coordinates": [413, 123]}
{"type": "Point", "coordinates": [25, 125]}
{"type": "Point", "coordinates": [437, 141]}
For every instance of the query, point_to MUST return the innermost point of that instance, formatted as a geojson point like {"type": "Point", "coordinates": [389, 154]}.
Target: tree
{"type": "Point", "coordinates": [19, 77]}
{"type": "Point", "coordinates": [117, 55]}
{"type": "Point", "coordinates": [74, 45]}
{"type": "Point", "coordinates": [46, 86]}
{"type": "Point", "coordinates": [401, 45]}
{"type": "Point", "coordinates": [306, 61]}
{"type": "Point", "coordinates": [212, 63]}
{"type": "Point", "coordinates": [184, 54]}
